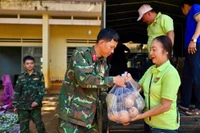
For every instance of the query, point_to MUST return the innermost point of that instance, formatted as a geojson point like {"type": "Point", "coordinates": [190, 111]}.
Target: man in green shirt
{"type": "Point", "coordinates": [158, 24]}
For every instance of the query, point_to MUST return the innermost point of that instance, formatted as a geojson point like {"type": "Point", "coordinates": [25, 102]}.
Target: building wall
{"type": "Point", "coordinates": [58, 44]}
{"type": "Point", "coordinates": [20, 31]}
{"type": "Point", "coordinates": [58, 48]}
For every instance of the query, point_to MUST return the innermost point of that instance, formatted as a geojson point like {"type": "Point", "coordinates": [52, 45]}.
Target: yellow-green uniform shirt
{"type": "Point", "coordinates": [160, 26]}
{"type": "Point", "coordinates": [164, 84]}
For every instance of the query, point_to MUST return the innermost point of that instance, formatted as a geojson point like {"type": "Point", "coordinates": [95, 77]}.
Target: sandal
{"type": "Point", "coordinates": [183, 110]}
{"type": "Point", "coordinates": [194, 112]}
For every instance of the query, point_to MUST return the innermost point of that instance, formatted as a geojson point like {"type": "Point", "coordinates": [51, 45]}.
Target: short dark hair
{"type": "Point", "coordinates": [108, 34]}
{"type": "Point", "coordinates": [28, 57]}
{"type": "Point", "coordinates": [188, 2]}
{"type": "Point", "coordinates": [166, 43]}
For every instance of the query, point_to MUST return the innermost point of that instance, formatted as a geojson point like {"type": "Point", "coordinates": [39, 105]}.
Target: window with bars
{"type": "Point", "coordinates": [80, 42]}
{"type": "Point", "coordinates": [70, 51]}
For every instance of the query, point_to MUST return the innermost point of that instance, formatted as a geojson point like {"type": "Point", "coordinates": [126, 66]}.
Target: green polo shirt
{"type": "Point", "coordinates": [160, 26]}
{"type": "Point", "coordinates": [164, 84]}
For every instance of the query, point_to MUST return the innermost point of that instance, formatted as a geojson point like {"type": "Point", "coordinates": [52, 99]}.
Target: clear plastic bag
{"type": "Point", "coordinates": [124, 103]}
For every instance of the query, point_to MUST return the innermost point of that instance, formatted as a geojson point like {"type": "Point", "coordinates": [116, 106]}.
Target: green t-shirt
{"type": "Point", "coordinates": [160, 26]}
{"type": "Point", "coordinates": [164, 84]}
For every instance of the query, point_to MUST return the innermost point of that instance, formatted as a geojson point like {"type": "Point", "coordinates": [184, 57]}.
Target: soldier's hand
{"type": "Point", "coordinates": [34, 104]}
{"type": "Point", "coordinates": [15, 110]}
{"type": "Point", "coordinates": [128, 77]}
{"type": "Point", "coordinates": [120, 81]}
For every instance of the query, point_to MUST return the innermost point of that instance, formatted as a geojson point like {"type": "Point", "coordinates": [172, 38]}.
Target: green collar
{"type": "Point", "coordinates": [155, 20]}
{"type": "Point", "coordinates": [34, 72]}
{"type": "Point", "coordinates": [94, 55]}
{"type": "Point", "coordinates": [160, 68]}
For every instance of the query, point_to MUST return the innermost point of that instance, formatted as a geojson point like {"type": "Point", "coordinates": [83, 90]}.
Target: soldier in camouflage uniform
{"type": "Point", "coordinates": [29, 92]}
{"type": "Point", "coordinates": [87, 73]}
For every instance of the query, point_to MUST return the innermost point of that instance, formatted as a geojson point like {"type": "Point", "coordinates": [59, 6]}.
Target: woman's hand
{"type": "Point", "coordinates": [138, 117]}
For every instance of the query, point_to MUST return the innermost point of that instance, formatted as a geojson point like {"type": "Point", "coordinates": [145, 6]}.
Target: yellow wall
{"type": "Point", "coordinates": [58, 51]}
{"type": "Point", "coordinates": [58, 45]}
{"type": "Point", "coordinates": [20, 31]}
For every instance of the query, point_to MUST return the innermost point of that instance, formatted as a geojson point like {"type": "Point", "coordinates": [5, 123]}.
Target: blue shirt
{"type": "Point", "coordinates": [191, 24]}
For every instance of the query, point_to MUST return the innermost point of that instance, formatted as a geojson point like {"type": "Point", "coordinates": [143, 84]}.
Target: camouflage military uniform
{"type": "Point", "coordinates": [78, 99]}
{"type": "Point", "coordinates": [29, 89]}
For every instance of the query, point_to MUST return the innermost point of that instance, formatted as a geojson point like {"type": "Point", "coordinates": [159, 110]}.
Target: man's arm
{"type": "Point", "coordinates": [87, 79]}
{"type": "Point", "coordinates": [41, 90]}
{"type": "Point", "coordinates": [171, 35]}
{"type": "Point", "coordinates": [197, 31]}
{"type": "Point", "coordinates": [192, 45]}
{"type": "Point", "coordinates": [168, 27]}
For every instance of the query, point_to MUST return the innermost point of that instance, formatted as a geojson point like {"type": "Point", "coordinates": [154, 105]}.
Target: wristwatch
{"type": "Point", "coordinates": [194, 40]}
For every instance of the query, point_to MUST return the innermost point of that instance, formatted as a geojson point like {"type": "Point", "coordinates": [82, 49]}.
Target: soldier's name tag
{"type": "Point", "coordinates": [36, 79]}
{"type": "Point", "coordinates": [22, 80]}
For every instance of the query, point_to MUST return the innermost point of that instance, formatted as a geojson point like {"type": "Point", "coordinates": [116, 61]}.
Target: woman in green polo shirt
{"type": "Point", "coordinates": [160, 85]}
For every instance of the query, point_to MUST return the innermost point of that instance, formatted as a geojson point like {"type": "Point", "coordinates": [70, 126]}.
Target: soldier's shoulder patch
{"type": "Point", "coordinates": [22, 79]}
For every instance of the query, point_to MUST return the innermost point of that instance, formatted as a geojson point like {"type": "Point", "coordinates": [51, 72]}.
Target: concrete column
{"type": "Point", "coordinates": [46, 49]}
{"type": "Point", "coordinates": [103, 13]}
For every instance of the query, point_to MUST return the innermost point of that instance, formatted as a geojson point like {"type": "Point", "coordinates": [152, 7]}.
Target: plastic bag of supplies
{"type": "Point", "coordinates": [124, 103]}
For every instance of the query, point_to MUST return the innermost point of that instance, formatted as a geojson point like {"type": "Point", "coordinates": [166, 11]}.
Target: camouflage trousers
{"type": "Point", "coordinates": [26, 115]}
{"type": "Point", "coordinates": [67, 127]}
